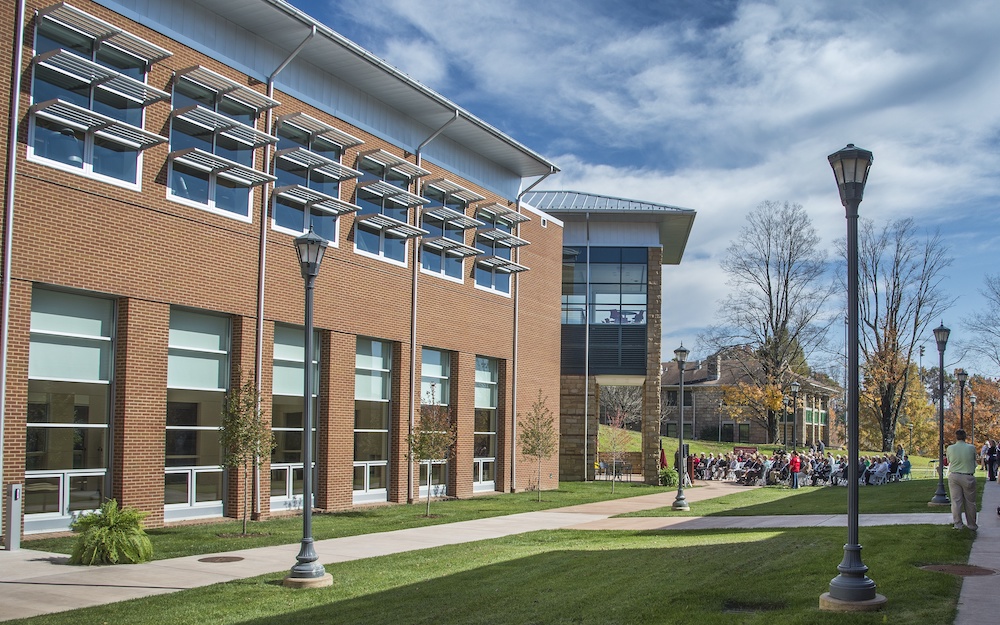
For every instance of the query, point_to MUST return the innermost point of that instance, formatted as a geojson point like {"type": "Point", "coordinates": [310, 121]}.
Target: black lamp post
{"type": "Point", "coordinates": [910, 450]}
{"type": "Point", "coordinates": [680, 503]}
{"type": "Point", "coordinates": [795, 407]}
{"type": "Point", "coordinates": [784, 424]}
{"type": "Point", "coordinates": [852, 589]}
{"type": "Point", "coordinates": [307, 571]}
{"type": "Point", "coordinates": [962, 377]}
{"type": "Point", "coordinates": [972, 401]}
{"type": "Point", "coordinates": [941, 336]}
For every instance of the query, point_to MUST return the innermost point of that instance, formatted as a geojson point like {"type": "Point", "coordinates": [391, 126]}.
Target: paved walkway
{"type": "Point", "coordinates": [35, 582]}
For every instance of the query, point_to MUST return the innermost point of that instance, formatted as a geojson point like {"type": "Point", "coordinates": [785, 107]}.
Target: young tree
{"type": "Point", "coordinates": [900, 275]}
{"type": "Point", "coordinates": [537, 436]}
{"type": "Point", "coordinates": [779, 294]}
{"type": "Point", "coordinates": [616, 439]}
{"type": "Point", "coordinates": [245, 438]}
{"type": "Point", "coordinates": [433, 438]}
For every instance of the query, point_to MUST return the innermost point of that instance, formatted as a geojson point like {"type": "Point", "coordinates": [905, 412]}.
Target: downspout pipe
{"type": "Point", "coordinates": [262, 259]}
{"type": "Point", "coordinates": [412, 409]}
{"type": "Point", "coordinates": [8, 235]}
{"type": "Point", "coordinates": [514, 367]}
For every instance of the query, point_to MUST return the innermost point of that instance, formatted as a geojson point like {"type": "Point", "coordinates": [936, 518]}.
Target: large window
{"type": "Point", "coordinates": [444, 250]}
{"type": "Point", "coordinates": [213, 142]}
{"type": "Point", "coordinates": [496, 240]}
{"type": "Point", "coordinates": [604, 309]}
{"type": "Point", "coordinates": [435, 394]}
{"type": "Point", "coordinates": [372, 396]}
{"type": "Point", "coordinates": [309, 172]}
{"type": "Point", "coordinates": [617, 285]}
{"type": "Point", "coordinates": [89, 94]}
{"type": "Point", "coordinates": [382, 224]}
{"type": "Point", "coordinates": [485, 436]}
{"type": "Point", "coordinates": [197, 381]}
{"type": "Point", "coordinates": [288, 386]}
{"type": "Point", "coordinates": [69, 376]}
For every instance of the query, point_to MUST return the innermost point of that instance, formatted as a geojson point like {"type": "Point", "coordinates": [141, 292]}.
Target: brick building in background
{"type": "Point", "coordinates": [162, 158]}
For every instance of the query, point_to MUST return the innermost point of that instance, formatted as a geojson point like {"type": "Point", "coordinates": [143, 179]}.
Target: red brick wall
{"type": "Point", "coordinates": [155, 253]}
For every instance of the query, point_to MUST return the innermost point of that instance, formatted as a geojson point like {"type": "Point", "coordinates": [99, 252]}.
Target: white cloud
{"type": "Point", "coordinates": [647, 102]}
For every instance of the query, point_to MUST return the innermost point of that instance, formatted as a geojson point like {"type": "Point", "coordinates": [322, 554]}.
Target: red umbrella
{"type": "Point", "coordinates": [663, 459]}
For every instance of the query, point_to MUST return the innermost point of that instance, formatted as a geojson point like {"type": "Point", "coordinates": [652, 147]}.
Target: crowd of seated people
{"type": "Point", "coordinates": [817, 468]}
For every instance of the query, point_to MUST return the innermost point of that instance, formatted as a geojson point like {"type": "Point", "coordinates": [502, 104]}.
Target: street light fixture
{"type": "Point", "coordinates": [307, 572]}
{"type": "Point", "coordinates": [941, 334]}
{"type": "Point", "coordinates": [962, 377]}
{"type": "Point", "coordinates": [852, 590]}
{"type": "Point", "coordinates": [680, 503]}
{"type": "Point", "coordinates": [910, 450]}
{"type": "Point", "coordinates": [795, 386]}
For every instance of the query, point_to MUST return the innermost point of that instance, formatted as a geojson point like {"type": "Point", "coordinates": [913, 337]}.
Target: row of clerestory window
{"type": "Point", "coordinates": [89, 97]}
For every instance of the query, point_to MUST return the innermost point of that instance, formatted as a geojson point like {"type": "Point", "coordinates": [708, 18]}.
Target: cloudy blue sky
{"type": "Point", "coordinates": [717, 105]}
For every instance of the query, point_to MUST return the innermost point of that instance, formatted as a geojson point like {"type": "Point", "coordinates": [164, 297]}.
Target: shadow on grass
{"type": "Point", "coordinates": [605, 578]}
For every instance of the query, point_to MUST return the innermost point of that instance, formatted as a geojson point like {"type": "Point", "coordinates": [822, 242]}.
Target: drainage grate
{"type": "Point", "coordinates": [221, 559]}
{"type": "Point", "coordinates": [964, 570]}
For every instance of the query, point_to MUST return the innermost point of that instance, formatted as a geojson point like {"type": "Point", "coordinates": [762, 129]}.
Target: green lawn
{"type": "Point", "coordinates": [892, 498]}
{"type": "Point", "coordinates": [184, 540]}
{"type": "Point", "coordinates": [603, 578]}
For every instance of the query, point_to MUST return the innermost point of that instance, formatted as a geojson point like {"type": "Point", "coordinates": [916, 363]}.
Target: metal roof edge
{"type": "Point", "coordinates": [401, 76]}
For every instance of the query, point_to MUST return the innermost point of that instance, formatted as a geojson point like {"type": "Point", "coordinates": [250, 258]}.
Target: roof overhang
{"type": "Point", "coordinates": [673, 224]}
{"type": "Point", "coordinates": [286, 27]}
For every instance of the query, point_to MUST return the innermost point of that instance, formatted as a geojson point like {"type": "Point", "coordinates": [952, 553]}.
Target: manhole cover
{"type": "Point", "coordinates": [221, 559]}
{"type": "Point", "coordinates": [965, 570]}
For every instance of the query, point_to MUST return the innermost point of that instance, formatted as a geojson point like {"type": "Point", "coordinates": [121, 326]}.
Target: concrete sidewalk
{"type": "Point", "coordinates": [34, 582]}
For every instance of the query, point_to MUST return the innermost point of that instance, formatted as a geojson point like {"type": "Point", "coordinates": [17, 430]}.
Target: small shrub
{"type": "Point", "coordinates": [668, 477]}
{"type": "Point", "coordinates": [112, 535]}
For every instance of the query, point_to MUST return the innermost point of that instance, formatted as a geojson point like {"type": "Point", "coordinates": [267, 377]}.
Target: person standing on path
{"type": "Point", "coordinates": [962, 481]}
{"type": "Point", "coordinates": [794, 466]}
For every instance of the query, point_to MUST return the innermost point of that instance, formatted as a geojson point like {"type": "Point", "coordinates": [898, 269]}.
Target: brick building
{"type": "Point", "coordinates": [162, 157]}
{"type": "Point", "coordinates": [706, 416]}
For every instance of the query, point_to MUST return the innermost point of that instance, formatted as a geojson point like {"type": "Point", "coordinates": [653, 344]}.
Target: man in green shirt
{"type": "Point", "coordinates": [962, 481]}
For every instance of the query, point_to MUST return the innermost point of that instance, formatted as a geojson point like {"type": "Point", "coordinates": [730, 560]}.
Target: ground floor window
{"type": "Point", "coordinates": [197, 382]}
{"type": "Point", "coordinates": [67, 437]}
{"type": "Point", "coordinates": [372, 397]}
{"type": "Point", "coordinates": [485, 433]}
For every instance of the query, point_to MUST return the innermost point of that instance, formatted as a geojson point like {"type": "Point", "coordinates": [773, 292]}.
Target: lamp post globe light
{"type": "Point", "coordinates": [940, 498]}
{"type": "Point", "coordinates": [680, 503]}
{"type": "Point", "coordinates": [963, 377]}
{"type": "Point", "coordinates": [795, 407]}
{"type": "Point", "coordinates": [307, 572]}
{"type": "Point", "coordinates": [852, 590]}
{"type": "Point", "coordinates": [972, 418]}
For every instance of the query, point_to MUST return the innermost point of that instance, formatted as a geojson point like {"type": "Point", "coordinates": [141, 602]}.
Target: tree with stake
{"type": "Point", "coordinates": [538, 436]}
{"type": "Point", "coordinates": [244, 437]}
{"type": "Point", "coordinates": [433, 438]}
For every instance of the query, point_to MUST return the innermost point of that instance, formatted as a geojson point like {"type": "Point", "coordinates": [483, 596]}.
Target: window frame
{"type": "Point", "coordinates": [93, 72]}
